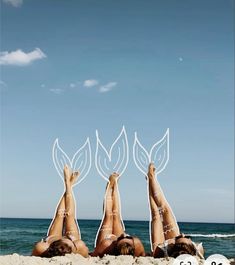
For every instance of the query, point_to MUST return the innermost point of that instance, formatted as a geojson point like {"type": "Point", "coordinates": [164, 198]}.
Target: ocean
{"type": "Point", "coordinates": [19, 235]}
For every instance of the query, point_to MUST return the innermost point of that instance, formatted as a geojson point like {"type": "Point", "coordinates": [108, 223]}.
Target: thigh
{"type": "Point", "coordinates": [117, 225]}
{"type": "Point", "coordinates": [170, 226]}
{"type": "Point", "coordinates": [106, 229]}
{"type": "Point", "coordinates": [71, 227]}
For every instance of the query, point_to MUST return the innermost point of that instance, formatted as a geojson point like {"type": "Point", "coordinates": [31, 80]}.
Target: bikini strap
{"type": "Point", "coordinates": [164, 248]}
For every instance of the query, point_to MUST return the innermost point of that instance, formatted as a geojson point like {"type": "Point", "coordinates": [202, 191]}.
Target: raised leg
{"type": "Point", "coordinates": [106, 225]}
{"type": "Point", "coordinates": [170, 226]}
{"type": "Point", "coordinates": [118, 226]}
{"type": "Point", "coordinates": [71, 225]}
{"type": "Point", "coordinates": [56, 226]}
{"type": "Point", "coordinates": [156, 226]}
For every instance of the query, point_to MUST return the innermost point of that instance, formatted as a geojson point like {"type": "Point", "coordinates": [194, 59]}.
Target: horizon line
{"type": "Point", "coordinates": [132, 220]}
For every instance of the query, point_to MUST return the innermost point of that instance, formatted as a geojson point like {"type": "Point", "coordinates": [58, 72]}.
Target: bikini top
{"type": "Point", "coordinates": [69, 236]}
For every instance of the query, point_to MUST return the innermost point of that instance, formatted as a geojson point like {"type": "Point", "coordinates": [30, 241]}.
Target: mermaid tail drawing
{"type": "Point", "coordinates": [158, 154]}
{"type": "Point", "coordinates": [81, 160]}
{"type": "Point", "coordinates": [114, 160]}
{"type": "Point", "coordinates": [105, 161]}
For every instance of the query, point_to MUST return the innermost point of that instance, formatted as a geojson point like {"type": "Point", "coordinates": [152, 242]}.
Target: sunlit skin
{"type": "Point", "coordinates": [163, 223]}
{"type": "Point", "coordinates": [64, 219]}
{"type": "Point", "coordinates": [112, 227]}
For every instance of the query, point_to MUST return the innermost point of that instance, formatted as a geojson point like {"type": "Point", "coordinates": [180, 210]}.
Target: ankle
{"type": "Point", "coordinates": [68, 186]}
{"type": "Point", "coordinates": [151, 175]}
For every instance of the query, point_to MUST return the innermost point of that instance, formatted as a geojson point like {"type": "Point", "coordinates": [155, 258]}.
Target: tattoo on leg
{"type": "Point", "coordinates": [61, 213]}
{"type": "Point", "coordinates": [161, 211]}
{"type": "Point", "coordinates": [106, 228]}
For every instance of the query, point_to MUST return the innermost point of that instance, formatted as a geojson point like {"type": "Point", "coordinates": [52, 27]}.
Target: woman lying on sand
{"type": "Point", "coordinates": [166, 238]}
{"type": "Point", "coordinates": [57, 244]}
{"type": "Point", "coordinates": [111, 237]}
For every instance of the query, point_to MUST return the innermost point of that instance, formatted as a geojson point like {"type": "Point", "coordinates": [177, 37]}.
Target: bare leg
{"type": "Point", "coordinates": [118, 226]}
{"type": "Point", "coordinates": [157, 233]}
{"type": "Point", "coordinates": [66, 206]}
{"type": "Point", "coordinates": [170, 226]}
{"type": "Point", "coordinates": [106, 225]}
{"type": "Point", "coordinates": [71, 226]}
{"type": "Point", "coordinates": [56, 226]}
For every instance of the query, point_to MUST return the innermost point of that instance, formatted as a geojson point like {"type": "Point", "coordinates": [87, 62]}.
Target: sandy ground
{"type": "Point", "coordinates": [73, 259]}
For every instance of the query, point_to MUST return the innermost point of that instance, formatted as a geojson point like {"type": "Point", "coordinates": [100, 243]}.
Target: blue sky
{"type": "Point", "coordinates": [69, 68]}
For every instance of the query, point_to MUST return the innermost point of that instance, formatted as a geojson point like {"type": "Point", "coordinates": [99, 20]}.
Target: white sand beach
{"type": "Point", "coordinates": [73, 259]}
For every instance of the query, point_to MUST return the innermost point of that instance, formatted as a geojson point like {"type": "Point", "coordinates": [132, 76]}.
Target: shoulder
{"type": "Point", "coordinates": [82, 249]}
{"type": "Point", "coordinates": [139, 247]}
{"type": "Point", "coordinates": [106, 246]}
{"type": "Point", "coordinates": [39, 248]}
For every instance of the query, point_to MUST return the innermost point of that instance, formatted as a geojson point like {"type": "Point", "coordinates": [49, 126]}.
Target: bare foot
{"type": "Point", "coordinates": [67, 174]}
{"type": "Point", "coordinates": [74, 177]}
{"type": "Point", "coordinates": [151, 171]}
{"type": "Point", "coordinates": [113, 178]}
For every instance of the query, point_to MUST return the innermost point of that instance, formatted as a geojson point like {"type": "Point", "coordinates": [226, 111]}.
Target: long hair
{"type": "Point", "coordinates": [124, 249]}
{"type": "Point", "coordinates": [182, 248]}
{"type": "Point", "coordinates": [57, 248]}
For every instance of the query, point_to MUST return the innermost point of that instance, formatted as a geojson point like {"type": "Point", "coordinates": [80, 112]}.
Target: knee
{"type": "Point", "coordinates": [108, 219]}
{"type": "Point", "coordinates": [155, 215]}
{"type": "Point", "coordinates": [116, 217]}
{"type": "Point", "coordinates": [60, 213]}
{"type": "Point", "coordinates": [164, 209]}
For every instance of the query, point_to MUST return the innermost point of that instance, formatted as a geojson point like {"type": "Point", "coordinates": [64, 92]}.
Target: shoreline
{"type": "Point", "coordinates": [72, 259]}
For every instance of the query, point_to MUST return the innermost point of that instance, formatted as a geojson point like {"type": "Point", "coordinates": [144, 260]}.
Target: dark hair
{"type": "Point", "coordinates": [124, 249]}
{"type": "Point", "coordinates": [57, 248]}
{"type": "Point", "coordinates": [182, 248]}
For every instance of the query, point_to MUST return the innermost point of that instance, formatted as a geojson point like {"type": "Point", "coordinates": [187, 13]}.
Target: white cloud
{"type": "Point", "coordinates": [43, 85]}
{"type": "Point", "coordinates": [20, 58]}
{"type": "Point", "coordinates": [57, 91]}
{"type": "Point", "coordinates": [15, 3]}
{"type": "Point", "coordinates": [2, 83]}
{"type": "Point", "coordinates": [72, 85]}
{"type": "Point", "coordinates": [90, 83]}
{"type": "Point", "coordinates": [107, 87]}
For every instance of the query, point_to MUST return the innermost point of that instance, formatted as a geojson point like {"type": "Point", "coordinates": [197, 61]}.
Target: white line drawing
{"type": "Point", "coordinates": [105, 169]}
{"type": "Point", "coordinates": [159, 154]}
{"type": "Point", "coordinates": [81, 160]}
{"type": "Point", "coordinates": [104, 160]}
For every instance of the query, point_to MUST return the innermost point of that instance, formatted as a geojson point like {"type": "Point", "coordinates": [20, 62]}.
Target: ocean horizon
{"type": "Point", "coordinates": [95, 219]}
{"type": "Point", "coordinates": [18, 235]}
